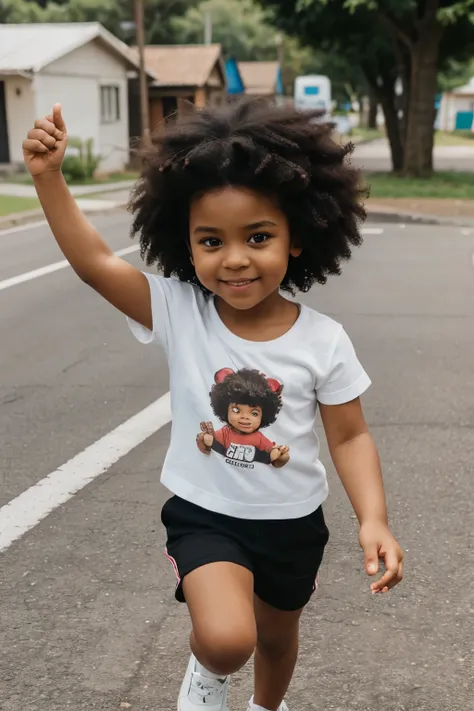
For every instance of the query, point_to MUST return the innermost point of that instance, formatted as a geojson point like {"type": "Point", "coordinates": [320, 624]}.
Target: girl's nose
{"type": "Point", "coordinates": [235, 258]}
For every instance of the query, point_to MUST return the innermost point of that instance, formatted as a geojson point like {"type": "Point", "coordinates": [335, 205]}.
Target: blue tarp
{"type": "Point", "coordinates": [235, 85]}
{"type": "Point", "coordinates": [279, 83]}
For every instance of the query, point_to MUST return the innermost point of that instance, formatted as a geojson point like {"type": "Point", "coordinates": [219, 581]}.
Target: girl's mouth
{"type": "Point", "coordinates": [245, 425]}
{"type": "Point", "coordinates": [239, 283]}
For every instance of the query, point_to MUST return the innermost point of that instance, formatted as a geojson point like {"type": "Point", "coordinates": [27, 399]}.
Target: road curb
{"type": "Point", "coordinates": [409, 218]}
{"type": "Point", "coordinates": [23, 218]}
{"type": "Point", "coordinates": [376, 215]}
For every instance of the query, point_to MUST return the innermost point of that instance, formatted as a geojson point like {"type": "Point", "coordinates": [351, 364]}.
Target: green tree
{"type": "Point", "coordinates": [355, 43]}
{"type": "Point", "coordinates": [159, 15]}
{"type": "Point", "coordinates": [455, 74]}
{"type": "Point", "coordinates": [246, 32]}
{"type": "Point", "coordinates": [240, 26]}
{"type": "Point", "coordinates": [409, 40]}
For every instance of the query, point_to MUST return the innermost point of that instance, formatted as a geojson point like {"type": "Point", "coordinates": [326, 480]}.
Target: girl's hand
{"type": "Point", "coordinates": [205, 438]}
{"type": "Point", "coordinates": [279, 456]}
{"type": "Point", "coordinates": [377, 542]}
{"type": "Point", "coordinates": [45, 145]}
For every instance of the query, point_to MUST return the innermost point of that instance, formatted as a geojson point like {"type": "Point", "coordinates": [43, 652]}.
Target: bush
{"type": "Point", "coordinates": [73, 169]}
{"type": "Point", "coordinates": [82, 165]}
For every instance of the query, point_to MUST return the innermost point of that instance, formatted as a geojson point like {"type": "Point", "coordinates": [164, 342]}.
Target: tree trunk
{"type": "Point", "coordinates": [381, 80]}
{"type": "Point", "coordinates": [392, 126]}
{"type": "Point", "coordinates": [404, 72]}
{"type": "Point", "coordinates": [383, 88]}
{"type": "Point", "coordinates": [362, 111]}
{"type": "Point", "coordinates": [421, 111]}
{"type": "Point", "coordinates": [373, 107]}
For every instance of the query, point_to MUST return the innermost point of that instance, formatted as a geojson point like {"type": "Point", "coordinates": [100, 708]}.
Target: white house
{"type": "Point", "coordinates": [457, 108]}
{"type": "Point", "coordinates": [80, 65]}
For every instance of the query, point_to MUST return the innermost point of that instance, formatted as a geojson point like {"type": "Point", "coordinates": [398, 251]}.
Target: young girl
{"type": "Point", "coordinates": [237, 205]}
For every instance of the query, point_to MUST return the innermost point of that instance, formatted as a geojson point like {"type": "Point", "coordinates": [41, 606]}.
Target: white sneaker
{"type": "Point", "coordinates": [200, 691]}
{"type": "Point", "coordinates": [282, 706]}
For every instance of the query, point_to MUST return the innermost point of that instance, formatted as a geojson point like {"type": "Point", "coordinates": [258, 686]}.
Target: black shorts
{"type": "Point", "coordinates": [283, 555]}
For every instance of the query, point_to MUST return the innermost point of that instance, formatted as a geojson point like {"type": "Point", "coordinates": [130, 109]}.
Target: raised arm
{"type": "Point", "coordinates": [94, 262]}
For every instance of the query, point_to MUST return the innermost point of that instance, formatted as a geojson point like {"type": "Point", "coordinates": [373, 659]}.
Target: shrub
{"type": "Point", "coordinates": [83, 164]}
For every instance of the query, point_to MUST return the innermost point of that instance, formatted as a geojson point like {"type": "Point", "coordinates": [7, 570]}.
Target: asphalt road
{"type": "Point", "coordinates": [88, 620]}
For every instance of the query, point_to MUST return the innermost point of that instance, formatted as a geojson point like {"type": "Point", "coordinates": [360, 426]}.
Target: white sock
{"type": "Point", "coordinates": [205, 672]}
{"type": "Point", "coordinates": [255, 707]}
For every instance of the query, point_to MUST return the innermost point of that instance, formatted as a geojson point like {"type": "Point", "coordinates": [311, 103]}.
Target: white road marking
{"type": "Point", "coordinates": [56, 266]}
{"type": "Point", "coordinates": [22, 228]}
{"type": "Point", "coordinates": [30, 507]}
{"type": "Point", "coordinates": [372, 231]}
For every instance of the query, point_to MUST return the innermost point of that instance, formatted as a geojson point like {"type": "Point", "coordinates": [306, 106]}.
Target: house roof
{"type": "Point", "coordinates": [259, 77]}
{"type": "Point", "coordinates": [183, 65]}
{"type": "Point", "coordinates": [31, 47]}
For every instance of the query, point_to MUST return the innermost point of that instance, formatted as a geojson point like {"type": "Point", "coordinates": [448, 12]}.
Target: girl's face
{"type": "Point", "coordinates": [244, 418]}
{"type": "Point", "coordinates": [240, 245]}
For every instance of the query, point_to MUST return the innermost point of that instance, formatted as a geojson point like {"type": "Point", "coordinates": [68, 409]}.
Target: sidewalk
{"type": "Point", "coordinates": [425, 210]}
{"type": "Point", "coordinates": [111, 196]}
{"type": "Point", "coordinates": [117, 197]}
{"type": "Point", "coordinates": [19, 190]}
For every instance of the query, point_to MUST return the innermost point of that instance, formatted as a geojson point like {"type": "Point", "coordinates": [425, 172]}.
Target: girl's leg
{"type": "Point", "coordinates": [221, 604]}
{"type": "Point", "coordinates": [276, 653]}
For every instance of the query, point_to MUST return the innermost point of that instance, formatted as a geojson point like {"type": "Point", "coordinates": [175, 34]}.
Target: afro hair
{"type": "Point", "coordinates": [280, 152]}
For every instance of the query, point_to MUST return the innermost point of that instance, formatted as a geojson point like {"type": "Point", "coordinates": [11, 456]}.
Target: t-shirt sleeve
{"type": "Point", "coordinates": [345, 378]}
{"type": "Point", "coordinates": [167, 301]}
{"type": "Point", "coordinates": [265, 444]}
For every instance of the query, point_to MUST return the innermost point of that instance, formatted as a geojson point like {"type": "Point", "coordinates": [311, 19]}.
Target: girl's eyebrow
{"type": "Point", "coordinates": [203, 228]}
{"type": "Point", "coordinates": [252, 226]}
{"type": "Point", "coordinates": [258, 225]}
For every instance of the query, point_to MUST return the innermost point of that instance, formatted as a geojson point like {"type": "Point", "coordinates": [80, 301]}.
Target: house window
{"type": "Point", "coordinates": [109, 104]}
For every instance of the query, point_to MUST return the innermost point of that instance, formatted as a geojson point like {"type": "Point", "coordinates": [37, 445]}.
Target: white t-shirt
{"type": "Point", "coordinates": [266, 395]}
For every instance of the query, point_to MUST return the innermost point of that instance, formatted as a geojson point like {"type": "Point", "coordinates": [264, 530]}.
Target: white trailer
{"type": "Point", "coordinates": [313, 91]}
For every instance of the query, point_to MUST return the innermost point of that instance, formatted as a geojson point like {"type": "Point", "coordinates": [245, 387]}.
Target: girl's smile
{"type": "Point", "coordinates": [238, 284]}
{"type": "Point", "coordinates": [240, 245]}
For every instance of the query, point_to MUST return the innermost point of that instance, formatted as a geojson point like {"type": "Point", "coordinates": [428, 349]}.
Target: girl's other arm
{"type": "Point", "coordinates": [94, 262]}
{"type": "Point", "coordinates": [357, 463]}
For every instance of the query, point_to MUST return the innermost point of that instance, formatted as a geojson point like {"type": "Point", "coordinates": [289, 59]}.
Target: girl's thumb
{"type": "Point", "coordinates": [371, 561]}
{"type": "Point", "coordinates": [58, 118]}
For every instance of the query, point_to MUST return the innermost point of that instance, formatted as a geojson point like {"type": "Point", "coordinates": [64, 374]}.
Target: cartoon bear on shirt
{"type": "Point", "coordinates": [246, 401]}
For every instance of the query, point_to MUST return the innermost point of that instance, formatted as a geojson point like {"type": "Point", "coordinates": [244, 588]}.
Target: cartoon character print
{"type": "Point", "coordinates": [246, 401]}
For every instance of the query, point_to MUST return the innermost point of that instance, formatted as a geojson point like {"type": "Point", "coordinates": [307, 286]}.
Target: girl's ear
{"type": "Point", "coordinates": [222, 374]}
{"type": "Point", "coordinates": [295, 251]}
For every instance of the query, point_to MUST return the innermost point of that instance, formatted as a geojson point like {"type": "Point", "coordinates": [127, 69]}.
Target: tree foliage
{"type": "Point", "coordinates": [159, 15]}
{"type": "Point", "coordinates": [410, 40]}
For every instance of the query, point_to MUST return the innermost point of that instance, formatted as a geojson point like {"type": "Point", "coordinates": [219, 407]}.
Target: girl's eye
{"type": "Point", "coordinates": [255, 413]}
{"type": "Point", "coordinates": [235, 410]}
{"type": "Point", "coordinates": [259, 238]}
{"type": "Point", "coordinates": [211, 242]}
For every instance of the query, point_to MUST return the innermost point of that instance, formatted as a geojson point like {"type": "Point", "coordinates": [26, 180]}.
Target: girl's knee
{"type": "Point", "coordinates": [225, 651]}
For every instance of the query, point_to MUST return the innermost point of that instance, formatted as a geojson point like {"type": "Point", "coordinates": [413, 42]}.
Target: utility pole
{"type": "Point", "coordinates": [140, 38]}
{"type": "Point", "coordinates": [208, 27]}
